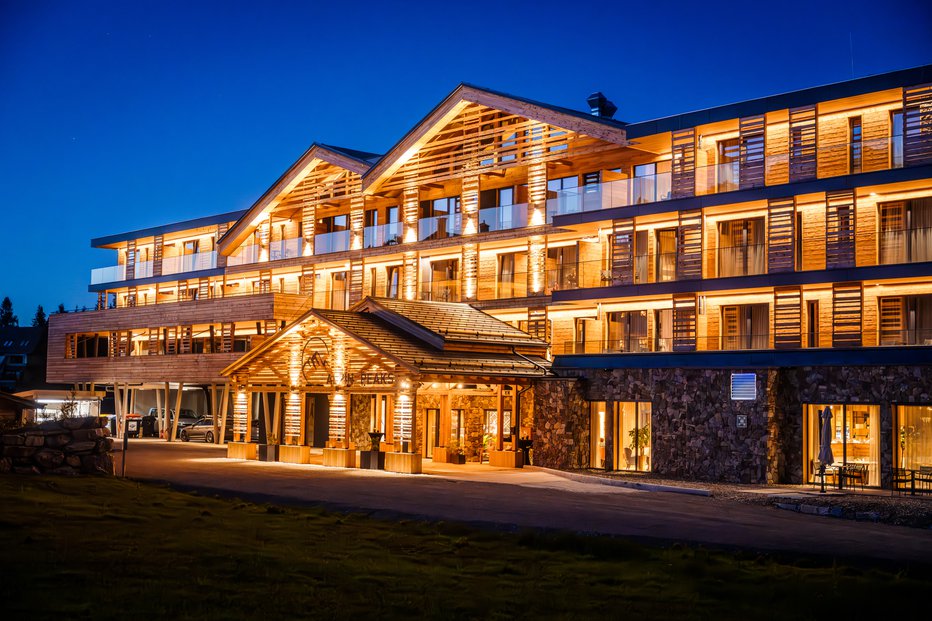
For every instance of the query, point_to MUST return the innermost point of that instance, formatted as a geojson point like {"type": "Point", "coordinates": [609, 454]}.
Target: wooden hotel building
{"type": "Point", "coordinates": [682, 295]}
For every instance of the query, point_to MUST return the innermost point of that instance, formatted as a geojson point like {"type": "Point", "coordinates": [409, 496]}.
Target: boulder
{"type": "Point", "coordinates": [34, 440]}
{"type": "Point", "coordinates": [48, 459]}
{"type": "Point", "coordinates": [13, 439]}
{"type": "Point", "coordinates": [80, 447]}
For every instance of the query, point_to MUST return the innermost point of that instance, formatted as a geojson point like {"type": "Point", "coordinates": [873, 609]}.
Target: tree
{"type": "Point", "coordinates": [7, 318]}
{"type": "Point", "coordinates": [40, 320]}
{"type": "Point", "coordinates": [61, 308]}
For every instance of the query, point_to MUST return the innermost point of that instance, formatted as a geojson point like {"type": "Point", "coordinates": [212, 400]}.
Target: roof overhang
{"type": "Point", "coordinates": [465, 94]}
{"type": "Point", "coordinates": [314, 156]}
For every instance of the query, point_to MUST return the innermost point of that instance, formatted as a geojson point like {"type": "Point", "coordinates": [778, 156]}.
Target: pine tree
{"type": "Point", "coordinates": [7, 318]}
{"type": "Point", "coordinates": [40, 320]}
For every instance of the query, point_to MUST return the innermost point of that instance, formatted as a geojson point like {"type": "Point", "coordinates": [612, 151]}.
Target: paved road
{"type": "Point", "coordinates": [529, 498]}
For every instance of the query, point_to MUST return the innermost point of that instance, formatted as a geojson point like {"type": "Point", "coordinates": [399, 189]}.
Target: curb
{"type": "Point", "coordinates": [646, 487]}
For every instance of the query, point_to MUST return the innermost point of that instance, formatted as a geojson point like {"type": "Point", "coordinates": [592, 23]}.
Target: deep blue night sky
{"type": "Point", "coordinates": [121, 115]}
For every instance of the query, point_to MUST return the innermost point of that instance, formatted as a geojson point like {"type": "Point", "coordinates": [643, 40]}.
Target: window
{"type": "Point", "coordinates": [339, 291]}
{"type": "Point", "coordinates": [502, 208]}
{"type": "Point", "coordinates": [854, 144]}
{"type": "Point", "coordinates": [746, 326]}
{"type": "Point", "coordinates": [663, 331]}
{"type": "Point", "coordinates": [854, 439]}
{"type": "Point", "coordinates": [626, 331]}
{"type": "Point", "coordinates": [562, 268]}
{"type": "Point", "coordinates": [912, 437]}
{"type": "Point", "coordinates": [729, 152]}
{"type": "Point", "coordinates": [439, 218]}
{"type": "Point", "coordinates": [665, 267]}
{"type": "Point", "coordinates": [896, 139]}
{"type": "Point", "coordinates": [741, 248]}
{"type": "Point", "coordinates": [393, 281]}
{"type": "Point", "coordinates": [444, 283]}
{"type": "Point", "coordinates": [563, 195]}
{"type": "Point", "coordinates": [633, 435]}
{"type": "Point", "coordinates": [906, 320]}
{"type": "Point", "coordinates": [512, 279]}
{"type": "Point", "coordinates": [906, 231]}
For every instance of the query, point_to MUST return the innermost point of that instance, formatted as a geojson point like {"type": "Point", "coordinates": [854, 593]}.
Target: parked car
{"type": "Point", "coordinates": [203, 430]}
{"type": "Point", "coordinates": [185, 419]}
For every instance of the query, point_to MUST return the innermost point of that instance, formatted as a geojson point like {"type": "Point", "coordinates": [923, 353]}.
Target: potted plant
{"type": "Point", "coordinates": [639, 439]}
{"type": "Point", "coordinates": [455, 453]}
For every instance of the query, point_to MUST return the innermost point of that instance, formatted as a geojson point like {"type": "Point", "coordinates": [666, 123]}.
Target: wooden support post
{"type": "Point", "coordinates": [265, 414]}
{"type": "Point", "coordinates": [224, 404]}
{"type": "Point", "coordinates": [118, 408]}
{"type": "Point", "coordinates": [213, 409]}
{"type": "Point", "coordinates": [158, 412]}
{"type": "Point", "coordinates": [277, 418]}
{"type": "Point", "coordinates": [166, 432]}
{"type": "Point", "coordinates": [500, 440]}
{"type": "Point", "coordinates": [174, 435]}
{"type": "Point", "coordinates": [445, 420]}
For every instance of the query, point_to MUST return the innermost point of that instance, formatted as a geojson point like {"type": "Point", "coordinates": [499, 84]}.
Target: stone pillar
{"type": "Point", "coordinates": [308, 223]}
{"type": "Point", "coordinates": [357, 221]}
{"type": "Point", "coordinates": [537, 194]}
{"type": "Point", "coordinates": [409, 213]}
{"type": "Point", "coordinates": [537, 265]}
{"type": "Point", "coordinates": [610, 424]}
{"type": "Point", "coordinates": [405, 457]}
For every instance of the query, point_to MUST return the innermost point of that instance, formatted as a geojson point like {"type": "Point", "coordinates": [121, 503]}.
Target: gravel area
{"type": "Point", "coordinates": [871, 505]}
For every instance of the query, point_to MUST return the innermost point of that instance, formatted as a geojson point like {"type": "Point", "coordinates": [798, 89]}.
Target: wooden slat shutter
{"type": "Point", "coordinates": [157, 255]}
{"type": "Point", "coordinates": [101, 300]}
{"type": "Point", "coordinates": [846, 314]}
{"type": "Point", "coordinates": [71, 346]}
{"type": "Point", "coordinates": [684, 163]}
{"type": "Point", "coordinates": [307, 282]}
{"type": "Point", "coordinates": [226, 334]}
{"type": "Point", "coordinates": [130, 260]}
{"type": "Point", "coordinates": [751, 155]}
{"type": "Point", "coordinates": [917, 125]}
{"type": "Point", "coordinates": [781, 234]}
{"type": "Point", "coordinates": [131, 297]}
{"type": "Point", "coordinates": [203, 288]}
{"type": "Point", "coordinates": [803, 143]}
{"type": "Point", "coordinates": [684, 322]}
{"type": "Point", "coordinates": [112, 344]}
{"type": "Point", "coordinates": [840, 225]}
{"type": "Point", "coordinates": [154, 349]}
{"type": "Point", "coordinates": [187, 338]}
{"type": "Point", "coordinates": [355, 281]}
{"type": "Point", "coordinates": [222, 229]}
{"type": "Point", "coordinates": [731, 327]}
{"type": "Point", "coordinates": [265, 282]}
{"type": "Point", "coordinates": [892, 321]}
{"type": "Point", "coordinates": [171, 340]}
{"type": "Point", "coordinates": [689, 251]}
{"type": "Point", "coordinates": [787, 317]}
{"type": "Point", "coordinates": [270, 326]}
{"type": "Point", "coordinates": [538, 325]}
{"type": "Point", "coordinates": [623, 251]}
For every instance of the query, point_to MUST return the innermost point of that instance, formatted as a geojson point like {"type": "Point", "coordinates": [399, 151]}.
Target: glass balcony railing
{"type": "Point", "coordinates": [382, 235]}
{"type": "Point", "coordinates": [905, 246]}
{"type": "Point", "coordinates": [245, 256]}
{"type": "Point", "coordinates": [189, 263]}
{"type": "Point", "coordinates": [338, 241]}
{"type": "Point", "coordinates": [899, 338]}
{"type": "Point", "coordinates": [439, 227]}
{"type": "Point", "coordinates": [830, 160]}
{"type": "Point", "coordinates": [113, 273]}
{"type": "Point", "coordinates": [502, 218]}
{"type": "Point", "coordinates": [286, 249]}
{"type": "Point", "coordinates": [636, 344]}
{"type": "Point", "coordinates": [746, 260]}
{"type": "Point", "coordinates": [441, 291]}
{"type": "Point", "coordinates": [144, 269]}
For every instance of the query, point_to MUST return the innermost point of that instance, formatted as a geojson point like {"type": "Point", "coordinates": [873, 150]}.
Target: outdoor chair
{"type": "Point", "coordinates": [853, 473]}
{"type": "Point", "coordinates": [903, 480]}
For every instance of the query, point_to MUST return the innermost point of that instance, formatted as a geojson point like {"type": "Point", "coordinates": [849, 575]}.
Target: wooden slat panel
{"type": "Point", "coordinates": [892, 320]}
{"type": "Point", "coordinates": [131, 297]}
{"type": "Point", "coordinates": [803, 143]}
{"type": "Point", "coordinates": [186, 338]}
{"type": "Point", "coordinates": [917, 125]}
{"type": "Point", "coordinates": [355, 281]}
{"type": "Point", "coordinates": [157, 255]}
{"type": "Point", "coordinates": [222, 229]}
{"type": "Point", "coordinates": [840, 225]}
{"type": "Point", "coordinates": [131, 260]}
{"type": "Point", "coordinates": [306, 284]}
{"type": "Point", "coordinates": [781, 234]}
{"type": "Point", "coordinates": [751, 156]}
{"type": "Point", "coordinates": [689, 252]}
{"type": "Point", "coordinates": [623, 251]}
{"type": "Point", "coordinates": [265, 282]}
{"type": "Point", "coordinates": [846, 314]}
{"type": "Point", "coordinates": [787, 317]}
{"type": "Point", "coordinates": [684, 163]}
{"type": "Point", "coordinates": [538, 325]}
{"type": "Point", "coordinates": [171, 340]}
{"type": "Point", "coordinates": [226, 333]}
{"type": "Point", "coordinates": [154, 334]}
{"type": "Point", "coordinates": [203, 288]}
{"type": "Point", "coordinates": [684, 322]}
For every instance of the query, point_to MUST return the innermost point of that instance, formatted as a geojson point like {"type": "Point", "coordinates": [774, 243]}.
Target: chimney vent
{"type": "Point", "coordinates": [600, 106]}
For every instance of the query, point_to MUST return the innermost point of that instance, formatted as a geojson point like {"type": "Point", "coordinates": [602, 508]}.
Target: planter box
{"type": "Point", "coordinates": [368, 460]}
{"type": "Point", "coordinates": [406, 463]}
{"type": "Point", "coordinates": [506, 459]}
{"type": "Point", "coordinates": [288, 454]}
{"type": "Point", "coordinates": [339, 458]}
{"type": "Point", "coordinates": [241, 450]}
{"type": "Point", "coordinates": [442, 456]}
{"type": "Point", "coordinates": [267, 452]}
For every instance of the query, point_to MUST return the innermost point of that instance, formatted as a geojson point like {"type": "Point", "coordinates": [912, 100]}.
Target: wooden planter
{"type": "Point", "coordinates": [442, 456]}
{"type": "Point", "coordinates": [267, 452]}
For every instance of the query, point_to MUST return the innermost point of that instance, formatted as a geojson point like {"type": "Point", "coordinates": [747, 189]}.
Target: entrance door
{"type": "Point", "coordinates": [855, 441]}
{"type": "Point", "coordinates": [321, 420]}
{"type": "Point", "coordinates": [433, 430]}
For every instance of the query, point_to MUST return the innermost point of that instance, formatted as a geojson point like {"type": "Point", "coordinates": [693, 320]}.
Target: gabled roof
{"type": "Point", "coordinates": [348, 159]}
{"type": "Point", "coordinates": [565, 118]}
{"type": "Point", "coordinates": [406, 335]}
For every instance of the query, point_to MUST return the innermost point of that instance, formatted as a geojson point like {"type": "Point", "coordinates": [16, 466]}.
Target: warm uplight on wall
{"type": "Point", "coordinates": [240, 414]}
{"type": "Point", "coordinates": [338, 416]}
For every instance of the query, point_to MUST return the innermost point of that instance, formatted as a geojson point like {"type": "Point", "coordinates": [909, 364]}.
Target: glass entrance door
{"type": "Point", "coordinates": [855, 439]}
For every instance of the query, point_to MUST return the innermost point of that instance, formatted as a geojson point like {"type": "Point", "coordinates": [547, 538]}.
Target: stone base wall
{"type": "Point", "coordinates": [359, 423]}
{"type": "Point", "coordinates": [694, 431]}
{"type": "Point", "coordinates": [71, 446]}
{"type": "Point", "coordinates": [473, 407]}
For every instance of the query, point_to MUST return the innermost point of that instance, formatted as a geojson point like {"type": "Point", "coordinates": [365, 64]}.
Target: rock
{"type": "Point", "coordinates": [25, 470]}
{"type": "Point", "coordinates": [86, 435]}
{"type": "Point", "coordinates": [57, 440]}
{"type": "Point", "coordinates": [80, 447]}
{"type": "Point", "coordinates": [73, 460]}
{"type": "Point", "coordinates": [13, 439]}
{"type": "Point", "coordinates": [74, 423]}
{"type": "Point", "coordinates": [48, 459]}
{"type": "Point", "coordinates": [50, 425]}
{"type": "Point", "coordinates": [19, 451]}
{"type": "Point", "coordinates": [35, 440]}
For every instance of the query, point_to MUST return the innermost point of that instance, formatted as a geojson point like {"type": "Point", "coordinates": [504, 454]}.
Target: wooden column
{"type": "Point", "coordinates": [224, 404]}
{"type": "Point", "coordinates": [537, 193]}
{"type": "Point", "coordinates": [308, 222]}
{"type": "Point", "coordinates": [118, 408]}
{"type": "Point", "coordinates": [357, 221]}
{"type": "Point", "coordinates": [409, 213]}
{"type": "Point", "coordinates": [276, 420]}
{"type": "Point", "coordinates": [470, 272]}
{"type": "Point", "coordinates": [409, 276]}
{"type": "Point", "coordinates": [174, 434]}
{"type": "Point", "coordinates": [500, 440]}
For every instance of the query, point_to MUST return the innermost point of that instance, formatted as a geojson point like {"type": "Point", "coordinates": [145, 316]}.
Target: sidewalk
{"type": "Point", "coordinates": [876, 505]}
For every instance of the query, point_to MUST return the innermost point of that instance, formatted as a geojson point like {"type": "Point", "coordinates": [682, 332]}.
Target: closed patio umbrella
{"type": "Point", "coordinates": [825, 446]}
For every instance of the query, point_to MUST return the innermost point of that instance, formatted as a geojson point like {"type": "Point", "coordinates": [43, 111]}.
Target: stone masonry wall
{"type": "Point", "coordinates": [359, 422]}
{"type": "Point", "coordinates": [71, 446]}
{"type": "Point", "coordinates": [694, 432]}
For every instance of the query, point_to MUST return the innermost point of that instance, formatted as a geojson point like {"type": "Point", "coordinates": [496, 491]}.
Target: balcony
{"type": "Point", "coordinates": [113, 273]}
{"type": "Point", "coordinates": [912, 245]}
{"type": "Point", "coordinates": [337, 241]}
{"type": "Point", "coordinates": [441, 291]}
{"type": "Point", "coordinates": [286, 249]}
{"type": "Point", "coordinates": [381, 235]}
{"type": "Point", "coordinates": [742, 260]}
{"type": "Point", "coordinates": [189, 263]}
{"type": "Point", "coordinates": [439, 227]}
{"type": "Point", "coordinates": [245, 256]}
{"type": "Point", "coordinates": [831, 160]}
{"type": "Point", "coordinates": [503, 218]}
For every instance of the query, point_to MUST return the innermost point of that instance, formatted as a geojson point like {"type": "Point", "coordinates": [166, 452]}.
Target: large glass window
{"type": "Point", "coordinates": [626, 331]}
{"type": "Point", "coordinates": [855, 439]}
{"type": "Point", "coordinates": [854, 144]}
{"type": "Point", "coordinates": [906, 231]}
{"type": "Point", "coordinates": [746, 326]}
{"type": "Point", "coordinates": [651, 182]}
{"type": "Point", "coordinates": [742, 250]}
{"type": "Point", "coordinates": [665, 268]}
{"type": "Point", "coordinates": [597, 434]}
{"type": "Point", "coordinates": [439, 218]}
{"type": "Point", "coordinates": [913, 437]}
{"type": "Point", "coordinates": [633, 433]}
{"type": "Point", "coordinates": [896, 139]}
{"type": "Point", "coordinates": [729, 152]}
{"type": "Point", "coordinates": [906, 320]}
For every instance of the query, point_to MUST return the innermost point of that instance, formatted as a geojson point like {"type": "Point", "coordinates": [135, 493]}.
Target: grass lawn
{"type": "Point", "coordinates": [106, 548]}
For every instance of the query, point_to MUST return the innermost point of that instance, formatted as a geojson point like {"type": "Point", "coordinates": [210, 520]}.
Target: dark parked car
{"type": "Point", "coordinates": [187, 418]}
{"type": "Point", "coordinates": [203, 430]}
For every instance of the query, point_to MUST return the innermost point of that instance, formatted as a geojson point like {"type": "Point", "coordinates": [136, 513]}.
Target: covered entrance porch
{"type": "Point", "coordinates": [387, 385]}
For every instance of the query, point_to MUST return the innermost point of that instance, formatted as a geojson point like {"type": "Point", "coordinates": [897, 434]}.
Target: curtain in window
{"type": "Point", "coordinates": [920, 233]}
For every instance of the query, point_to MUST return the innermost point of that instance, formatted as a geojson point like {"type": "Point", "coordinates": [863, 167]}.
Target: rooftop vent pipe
{"type": "Point", "coordinates": [600, 106]}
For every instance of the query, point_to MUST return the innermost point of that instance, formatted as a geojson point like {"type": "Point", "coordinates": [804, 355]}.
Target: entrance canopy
{"type": "Point", "coordinates": [365, 349]}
